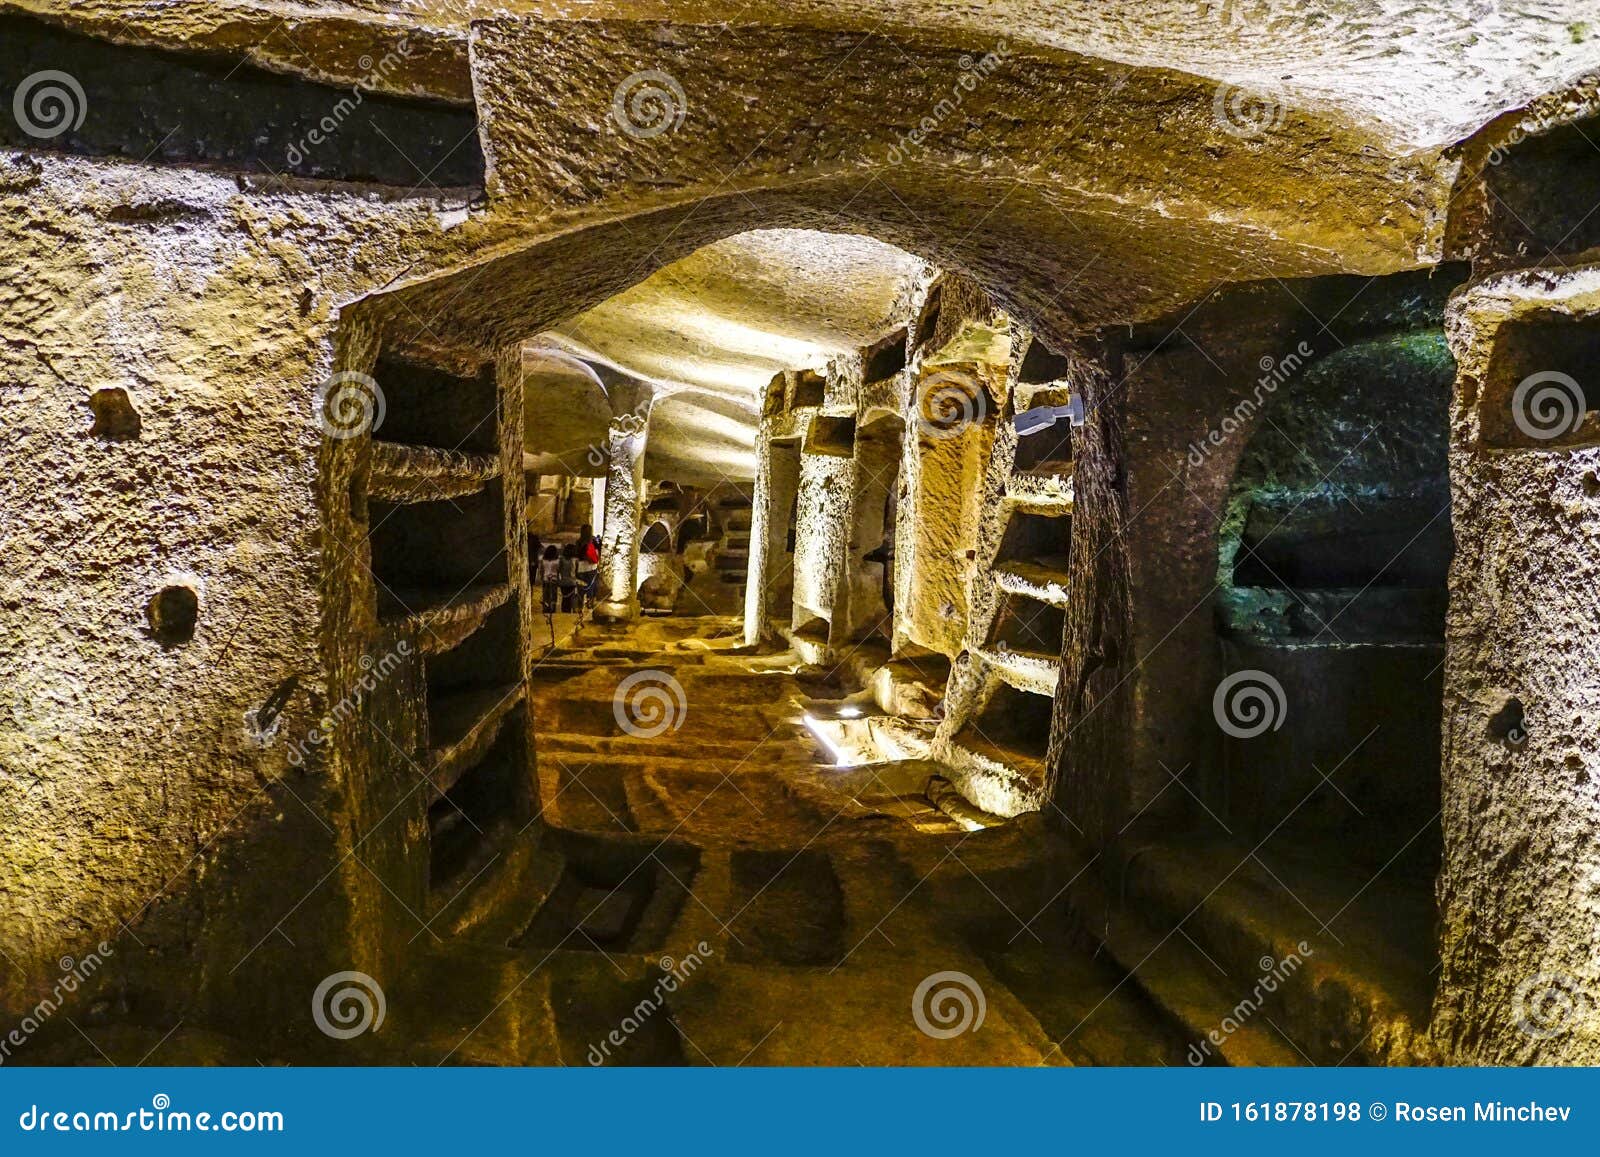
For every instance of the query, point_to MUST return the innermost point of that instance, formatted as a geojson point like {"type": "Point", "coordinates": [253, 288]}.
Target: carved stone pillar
{"type": "Point", "coordinates": [624, 492]}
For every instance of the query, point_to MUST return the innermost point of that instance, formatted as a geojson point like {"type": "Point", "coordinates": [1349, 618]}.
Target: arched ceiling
{"type": "Point", "coordinates": [1415, 73]}
{"type": "Point", "coordinates": [710, 331]}
{"type": "Point", "coordinates": [1412, 73]}
{"type": "Point", "coordinates": [1156, 194]}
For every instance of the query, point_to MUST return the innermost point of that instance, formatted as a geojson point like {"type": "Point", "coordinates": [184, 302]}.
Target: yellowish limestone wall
{"type": "Point", "coordinates": [134, 772]}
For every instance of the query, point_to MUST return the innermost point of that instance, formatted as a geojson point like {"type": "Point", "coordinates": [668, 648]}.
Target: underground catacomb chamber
{"type": "Point", "coordinates": [483, 806]}
{"type": "Point", "coordinates": [1028, 626]}
{"type": "Point", "coordinates": [888, 360]}
{"type": "Point", "coordinates": [802, 635]}
{"type": "Point", "coordinates": [1336, 549]}
{"type": "Point", "coordinates": [1035, 539]}
{"type": "Point", "coordinates": [1047, 451]}
{"type": "Point", "coordinates": [437, 408]}
{"type": "Point", "coordinates": [790, 907]}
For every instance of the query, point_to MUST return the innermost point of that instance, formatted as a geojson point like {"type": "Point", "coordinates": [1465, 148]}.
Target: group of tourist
{"type": "Point", "coordinates": [567, 575]}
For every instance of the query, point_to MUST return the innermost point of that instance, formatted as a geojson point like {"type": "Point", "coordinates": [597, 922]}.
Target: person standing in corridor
{"type": "Point", "coordinates": [588, 548]}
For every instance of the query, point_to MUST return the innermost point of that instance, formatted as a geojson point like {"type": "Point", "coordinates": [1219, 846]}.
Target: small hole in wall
{"type": "Point", "coordinates": [173, 613]}
{"type": "Point", "coordinates": [115, 419]}
{"type": "Point", "coordinates": [1507, 725]}
{"type": "Point", "coordinates": [1591, 484]}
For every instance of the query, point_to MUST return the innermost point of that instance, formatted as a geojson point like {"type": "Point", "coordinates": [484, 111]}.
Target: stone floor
{"type": "Point", "coordinates": [809, 901]}
{"type": "Point", "coordinates": [711, 888]}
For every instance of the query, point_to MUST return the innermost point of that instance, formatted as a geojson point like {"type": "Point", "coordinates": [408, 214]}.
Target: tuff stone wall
{"type": "Point", "coordinates": [142, 774]}
{"type": "Point", "coordinates": [1519, 890]}
{"type": "Point", "coordinates": [164, 788]}
{"type": "Point", "coordinates": [1192, 402]}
